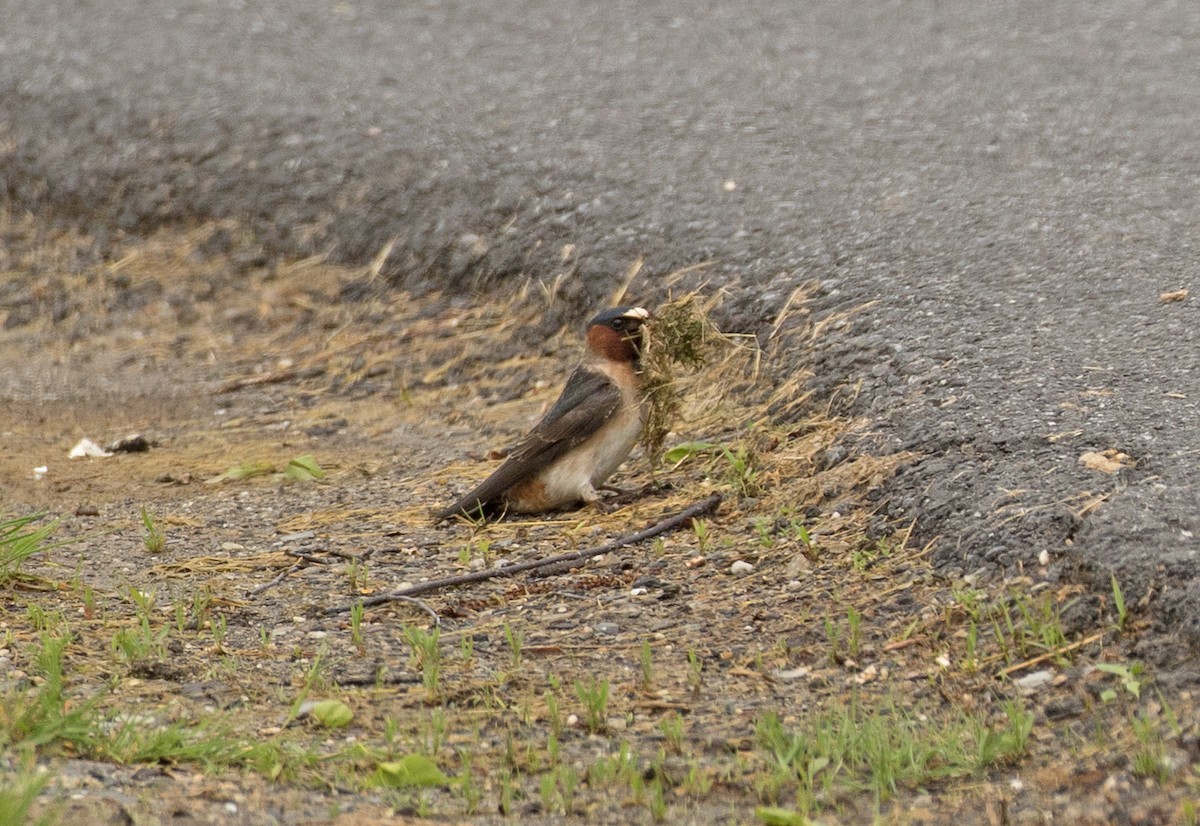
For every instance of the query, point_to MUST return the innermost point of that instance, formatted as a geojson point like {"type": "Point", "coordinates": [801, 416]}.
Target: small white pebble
{"type": "Point", "coordinates": [637, 592]}
{"type": "Point", "coordinates": [317, 635]}
{"type": "Point", "coordinates": [1033, 681]}
{"type": "Point", "coordinates": [740, 568]}
{"type": "Point", "coordinates": [1044, 558]}
{"type": "Point", "coordinates": [231, 807]}
{"type": "Point", "coordinates": [572, 719]}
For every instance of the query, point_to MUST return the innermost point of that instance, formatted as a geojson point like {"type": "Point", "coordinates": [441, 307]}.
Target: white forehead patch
{"type": "Point", "coordinates": [637, 312]}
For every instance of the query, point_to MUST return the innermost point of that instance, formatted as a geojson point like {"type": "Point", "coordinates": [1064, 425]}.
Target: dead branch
{"type": "Point", "coordinates": [669, 524]}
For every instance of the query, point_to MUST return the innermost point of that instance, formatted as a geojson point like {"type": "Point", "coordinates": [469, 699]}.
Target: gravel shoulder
{"type": "Point", "coordinates": [997, 196]}
{"type": "Point", "coordinates": [799, 602]}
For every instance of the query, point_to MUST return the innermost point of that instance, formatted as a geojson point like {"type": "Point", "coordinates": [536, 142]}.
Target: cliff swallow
{"type": "Point", "coordinates": [583, 438]}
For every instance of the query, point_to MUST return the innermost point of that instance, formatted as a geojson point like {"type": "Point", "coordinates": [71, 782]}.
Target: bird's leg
{"type": "Point", "coordinates": [589, 494]}
{"type": "Point", "coordinates": [614, 489]}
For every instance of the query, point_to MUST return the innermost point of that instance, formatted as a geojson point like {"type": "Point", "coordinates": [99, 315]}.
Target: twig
{"type": "Point", "coordinates": [269, 378]}
{"type": "Point", "coordinates": [437, 621]}
{"type": "Point", "coordinates": [282, 576]}
{"type": "Point", "coordinates": [669, 524]}
{"type": "Point", "coordinates": [1063, 649]}
{"type": "Point", "coordinates": [898, 644]}
{"type": "Point", "coordinates": [315, 560]}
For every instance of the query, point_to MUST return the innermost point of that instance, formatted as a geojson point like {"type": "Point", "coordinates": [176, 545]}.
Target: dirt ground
{"type": "Point", "coordinates": [794, 599]}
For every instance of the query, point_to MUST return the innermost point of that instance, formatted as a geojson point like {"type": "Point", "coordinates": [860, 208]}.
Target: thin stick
{"type": "Point", "coordinates": [1063, 649]}
{"type": "Point", "coordinates": [282, 576]}
{"type": "Point", "coordinates": [437, 621]}
{"type": "Point", "coordinates": [669, 524]}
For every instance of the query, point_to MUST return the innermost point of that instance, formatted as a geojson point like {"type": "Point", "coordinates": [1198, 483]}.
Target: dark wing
{"type": "Point", "coordinates": [587, 402]}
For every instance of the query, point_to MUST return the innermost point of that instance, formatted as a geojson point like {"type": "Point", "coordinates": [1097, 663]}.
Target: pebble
{"type": "Point", "coordinates": [740, 568]}
{"type": "Point", "coordinates": [1064, 707]}
{"type": "Point", "coordinates": [791, 673]}
{"type": "Point", "coordinates": [608, 629]}
{"type": "Point", "coordinates": [799, 565]}
{"type": "Point", "coordinates": [1032, 682]}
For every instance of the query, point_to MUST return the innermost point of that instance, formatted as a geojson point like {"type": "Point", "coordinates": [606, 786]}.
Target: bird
{"type": "Point", "coordinates": [588, 432]}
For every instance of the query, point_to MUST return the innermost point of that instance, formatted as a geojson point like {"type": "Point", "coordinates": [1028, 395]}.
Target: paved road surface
{"type": "Point", "coordinates": [1012, 184]}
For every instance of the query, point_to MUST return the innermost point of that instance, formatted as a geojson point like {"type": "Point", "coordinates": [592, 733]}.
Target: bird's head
{"type": "Point", "coordinates": [616, 334]}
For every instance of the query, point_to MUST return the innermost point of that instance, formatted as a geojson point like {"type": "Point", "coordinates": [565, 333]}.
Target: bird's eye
{"type": "Point", "coordinates": [618, 324]}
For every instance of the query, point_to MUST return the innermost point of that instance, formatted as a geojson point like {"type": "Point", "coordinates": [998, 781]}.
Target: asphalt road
{"type": "Point", "coordinates": [1002, 189]}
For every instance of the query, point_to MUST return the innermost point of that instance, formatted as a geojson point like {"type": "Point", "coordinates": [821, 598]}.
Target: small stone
{"type": "Point", "coordinates": [1034, 681]}
{"type": "Point", "coordinates": [740, 568]}
{"type": "Point", "coordinates": [647, 582]}
{"type": "Point", "coordinates": [572, 719]}
{"type": "Point", "coordinates": [1064, 707]}
{"type": "Point", "coordinates": [798, 567]}
{"type": "Point", "coordinates": [867, 675]}
{"type": "Point", "coordinates": [791, 673]}
{"type": "Point", "coordinates": [133, 443]}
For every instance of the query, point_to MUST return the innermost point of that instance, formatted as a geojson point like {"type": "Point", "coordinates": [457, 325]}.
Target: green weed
{"type": "Point", "coordinates": [18, 542]}
{"type": "Point", "coordinates": [594, 696]}
{"type": "Point", "coordinates": [153, 537]}
{"type": "Point", "coordinates": [426, 657]}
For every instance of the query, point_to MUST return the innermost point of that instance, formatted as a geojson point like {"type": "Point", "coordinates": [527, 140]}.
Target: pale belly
{"type": "Point", "coordinates": [574, 477]}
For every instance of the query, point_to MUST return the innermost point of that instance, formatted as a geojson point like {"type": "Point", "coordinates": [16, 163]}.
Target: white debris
{"type": "Point", "coordinates": [791, 673]}
{"type": "Point", "coordinates": [1032, 682]}
{"type": "Point", "coordinates": [86, 447]}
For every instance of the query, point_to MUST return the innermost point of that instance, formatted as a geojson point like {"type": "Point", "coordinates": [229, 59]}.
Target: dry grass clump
{"type": "Point", "coordinates": [682, 337]}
